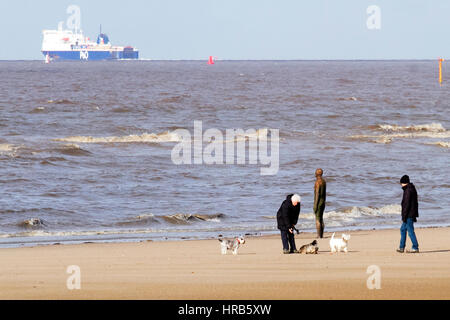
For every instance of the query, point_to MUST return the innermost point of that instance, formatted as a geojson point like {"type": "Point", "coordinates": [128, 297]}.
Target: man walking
{"type": "Point", "coordinates": [287, 217]}
{"type": "Point", "coordinates": [410, 212]}
{"type": "Point", "coordinates": [320, 195]}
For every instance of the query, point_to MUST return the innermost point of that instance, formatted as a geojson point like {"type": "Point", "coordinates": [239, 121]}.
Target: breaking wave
{"type": "Point", "coordinates": [185, 218]}
{"type": "Point", "coordinates": [143, 138]}
{"type": "Point", "coordinates": [353, 213]}
{"type": "Point", "coordinates": [348, 99]}
{"type": "Point", "coordinates": [61, 101]}
{"type": "Point", "coordinates": [259, 134]}
{"type": "Point", "coordinates": [359, 212]}
{"type": "Point", "coordinates": [432, 127]}
{"type": "Point", "coordinates": [442, 144]}
{"type": "Point", "coordinates": [4, 147]}
{"type": "Point", "coordinates": [144, 219]}
{"type": "Point", "coordinates": [36, 226]}
{"type": "Point", "coordinates": [432, 130]}
{"type": "Point", "coordinates": [72, 150]}
{"type": "Point", "coordinates": [176, 219]}
{"type": "Point", "coordinates": [167, 136]}
{"type": "Point", "coordinates": [38, 110]}
{"type": "Point", "coordinates": [8, 149]}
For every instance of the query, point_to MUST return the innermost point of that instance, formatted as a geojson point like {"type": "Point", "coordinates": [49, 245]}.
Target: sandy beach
{"type": "Point", "coordinates": [197, 270]}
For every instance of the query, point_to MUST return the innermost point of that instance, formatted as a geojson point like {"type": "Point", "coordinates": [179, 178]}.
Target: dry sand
{"type": "Point", "coordinates": [197, 270]}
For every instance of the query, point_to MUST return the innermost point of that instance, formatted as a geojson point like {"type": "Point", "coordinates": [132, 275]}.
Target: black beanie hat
{"type": "Point", "coordinates": [404, 179]}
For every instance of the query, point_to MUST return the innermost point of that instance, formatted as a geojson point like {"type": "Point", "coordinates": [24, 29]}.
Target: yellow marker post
{"type": "Point", "coordinates": [440, 70]}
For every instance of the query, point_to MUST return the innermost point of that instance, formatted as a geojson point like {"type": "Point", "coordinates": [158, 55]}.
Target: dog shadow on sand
{"type": "Point", "coordinates": [335, 253]}
{"type": "Point", "coordinates": [246, 253]}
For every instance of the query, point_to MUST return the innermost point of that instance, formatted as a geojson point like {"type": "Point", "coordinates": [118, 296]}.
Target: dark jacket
{"type": "Point", "coordinates": [410, 205]}
{"type": "Point", "coordinates": [287, 215]}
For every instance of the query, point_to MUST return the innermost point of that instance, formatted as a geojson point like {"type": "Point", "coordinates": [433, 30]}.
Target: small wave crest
{"type": "Point", "coordinates": [443, 144]}
{"type": "Point", "coordinates": [60, 101]}
{"type": "Point", "coordinates": [431, 127]}
{"type": "Point", "coordinates": [185, 218]}
{"type": "Point", "coordinates": [354, 212]}
{"type": "Point", "coordinates": [4, 147]}
{"type": "Point", "coordinates": [8, 150]}
{"type": "Point", "coordinates": [72, 150]}
{"type": "Point", "coordinates": [259, 134]}
{"type": "Point", "coordinates": [177, 219]}
{"type": "Point", "coordinates": [38, 110]}
{"type": "Point", "coordinates": [348, 99]}
{"type": "Point", "coordinates": [144, 219]}
{"type": "Point", "coordinates": [432, 130]}
{"type": "Point", "coordinates": [143, 138]}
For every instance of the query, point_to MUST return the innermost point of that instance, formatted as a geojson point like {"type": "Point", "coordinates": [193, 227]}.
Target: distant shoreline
{"type": "Point", "coordinates": [143, 238]}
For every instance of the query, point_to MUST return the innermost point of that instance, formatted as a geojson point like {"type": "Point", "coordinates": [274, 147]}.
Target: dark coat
{"type": "Point", "coordinates": [287, 215]}
{"type": "Point", "coordinates": [410, 205]}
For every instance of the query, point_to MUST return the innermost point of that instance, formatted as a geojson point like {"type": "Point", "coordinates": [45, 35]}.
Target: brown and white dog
{"type": "Point", "coordinates": [232, 245]}
{"type": "Point", "coordinates": [310, 248]}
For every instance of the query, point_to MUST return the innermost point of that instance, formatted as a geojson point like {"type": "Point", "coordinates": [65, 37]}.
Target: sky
{"type": "Point", "coordinates": [240, 29]}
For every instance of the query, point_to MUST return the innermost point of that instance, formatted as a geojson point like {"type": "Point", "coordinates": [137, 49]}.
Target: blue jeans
{"type": "Point", "coordinates": [408, 226]}
{"type": "Point", "coordinates": [288, 240]}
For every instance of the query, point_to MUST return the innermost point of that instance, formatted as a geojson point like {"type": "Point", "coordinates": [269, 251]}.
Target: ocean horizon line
{"type": "Point", "coordinates": [239, 60]}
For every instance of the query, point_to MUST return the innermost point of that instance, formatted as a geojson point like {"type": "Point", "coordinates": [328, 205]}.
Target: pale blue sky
{"type": "Point", "coordinates": [239, 29]}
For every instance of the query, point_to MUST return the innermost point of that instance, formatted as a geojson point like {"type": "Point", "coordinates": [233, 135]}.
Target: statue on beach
{"type": "Point", "coordinates": [320, 190]}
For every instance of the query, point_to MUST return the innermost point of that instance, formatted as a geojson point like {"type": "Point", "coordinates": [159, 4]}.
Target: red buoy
{"type": "Point", "coordinates": [211, 60]}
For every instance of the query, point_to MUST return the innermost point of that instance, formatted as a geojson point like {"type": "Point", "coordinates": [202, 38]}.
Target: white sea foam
{"type": "Point", "coordinates": [43, 233]}
{"type": "Point", "coordinates": [143, 138]}
{"type": "Point", "coordinates": [4, 147]}
{"type": "Point", "coordinates": [348, 99]}
{"type": "Point", "coordinates": [443, 144]}
{"type": "Point", "coordinates": [8, 149]}
{"type": "Point", "coordinates": [352, 213]}
{"type": "Point", "coordinates": [259, 134]}
{"type": "Point", "coordinates": [158, 138]}
{"type": "Point", "coordinates": [431, 127]}
{"type": "Point", "coordinates": [145, 216]}
{"type": "Point", "coordinates": [387, 138]}
{"type": "Point", "coordinates": [187, 217]}
{"type": "Point", "coordinates": [432, 130]}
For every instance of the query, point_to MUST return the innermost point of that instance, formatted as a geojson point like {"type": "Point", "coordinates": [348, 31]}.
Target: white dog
{"type": "Point", "coordinates": [232, 245]}
{"type": "Point", "coordinates": [337, 244]}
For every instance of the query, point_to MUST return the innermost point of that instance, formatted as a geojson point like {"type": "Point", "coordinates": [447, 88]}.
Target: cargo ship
{"type": "Point", "coordinates": [68, 45]}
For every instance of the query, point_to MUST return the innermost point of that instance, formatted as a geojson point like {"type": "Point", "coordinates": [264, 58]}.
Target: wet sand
{"type": "Point", "coordinates": [197, 270]}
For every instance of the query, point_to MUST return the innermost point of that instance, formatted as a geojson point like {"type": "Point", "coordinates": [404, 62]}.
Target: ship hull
{"type": "Point", "coordinates": [90, 55]}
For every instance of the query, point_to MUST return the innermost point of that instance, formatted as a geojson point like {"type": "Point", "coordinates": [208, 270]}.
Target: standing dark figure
{"type": "Point", "coordinates": [410, 213]}
{"type": "Point", "coordinates": [320, 195]}
{"type": "Point", "coordinates": [287, 217]}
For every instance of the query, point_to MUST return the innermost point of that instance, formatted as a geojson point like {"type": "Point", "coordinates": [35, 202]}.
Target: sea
{"type": "Point", "coordinates": [86, 148]}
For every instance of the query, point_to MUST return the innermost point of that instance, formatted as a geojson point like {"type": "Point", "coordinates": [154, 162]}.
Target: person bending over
{"type": "Point", "coordinates": [287, 217]}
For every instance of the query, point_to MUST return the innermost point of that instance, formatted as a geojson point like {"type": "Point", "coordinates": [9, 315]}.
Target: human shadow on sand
{"type": "Point", "coordinates": [434, 251]}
